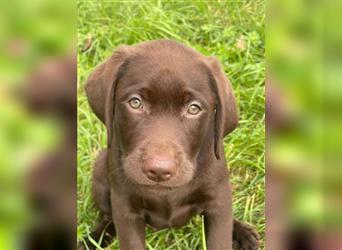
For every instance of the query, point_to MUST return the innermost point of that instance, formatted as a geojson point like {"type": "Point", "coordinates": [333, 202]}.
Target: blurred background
{"type": "Point", "coordinates": [37, 124]}
{"type": "Point", "coordinates": [304, 125]}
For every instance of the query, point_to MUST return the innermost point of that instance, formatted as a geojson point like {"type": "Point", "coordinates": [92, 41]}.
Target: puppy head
{"type": "Point", "coordinates": [163, 104]}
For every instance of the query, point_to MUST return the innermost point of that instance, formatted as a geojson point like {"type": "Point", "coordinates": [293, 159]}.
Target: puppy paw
{"type": "Point", "coordinates": [245, 237]}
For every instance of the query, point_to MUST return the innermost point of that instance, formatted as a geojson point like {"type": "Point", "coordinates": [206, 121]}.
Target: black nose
{"type": "Point", "coordinates": [159, 168]}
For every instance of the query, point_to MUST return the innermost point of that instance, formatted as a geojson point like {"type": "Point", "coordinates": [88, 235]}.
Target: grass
{"type": "Point", "coordinates": [233, 31]}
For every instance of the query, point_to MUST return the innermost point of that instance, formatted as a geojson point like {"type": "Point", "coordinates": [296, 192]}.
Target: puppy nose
{"type": "Point", "coordinates": [159, 168]}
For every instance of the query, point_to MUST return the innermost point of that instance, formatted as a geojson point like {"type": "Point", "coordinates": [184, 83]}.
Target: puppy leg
{"type": "Point", "coordinates": [100, 185]}
{"type": "Point", "coordinates": [130, 226]}
{"type": "Point", "coordinates": [244, 236]}
{"type": "Point", "coordinates": [101, 195]}
{"type": "Point", "coordinates": [219, 221]}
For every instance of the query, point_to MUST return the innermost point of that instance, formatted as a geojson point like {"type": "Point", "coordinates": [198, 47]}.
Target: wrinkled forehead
{"type": "Point", "coordinates": [167, 77]}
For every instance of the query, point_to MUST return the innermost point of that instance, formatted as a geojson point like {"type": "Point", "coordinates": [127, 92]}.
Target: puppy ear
{"type": "Point", "coordinates": [100, 87]}
{"type": "Point", "coordinates": [226, 114]}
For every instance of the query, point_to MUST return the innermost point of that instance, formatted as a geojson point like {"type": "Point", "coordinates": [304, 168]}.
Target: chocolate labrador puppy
{"type": "Point", "coordinates": [167, 109]}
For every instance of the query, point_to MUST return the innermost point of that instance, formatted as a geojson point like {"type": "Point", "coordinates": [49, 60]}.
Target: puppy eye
{"type": "Point", "coordinates": [194, 109]}
{"type": "Point", "coordinates": [135, 103]}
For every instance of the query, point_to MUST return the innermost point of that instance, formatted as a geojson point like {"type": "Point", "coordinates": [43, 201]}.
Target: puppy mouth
{"type": "Point", "coordinates": [158, 187]}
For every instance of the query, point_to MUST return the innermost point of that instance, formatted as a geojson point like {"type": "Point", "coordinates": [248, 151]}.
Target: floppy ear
{"type": "Point", "coordinates": [226, 115]}
{"type": "Point", "coordinates": [100, 87]}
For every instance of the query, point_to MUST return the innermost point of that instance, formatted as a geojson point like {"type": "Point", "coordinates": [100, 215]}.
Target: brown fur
{"type": "Point", "coordinates": [167, 77]}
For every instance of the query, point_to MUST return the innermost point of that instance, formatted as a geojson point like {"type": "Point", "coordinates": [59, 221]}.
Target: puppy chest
{"type": "Point", "coordinates": [165, 215]}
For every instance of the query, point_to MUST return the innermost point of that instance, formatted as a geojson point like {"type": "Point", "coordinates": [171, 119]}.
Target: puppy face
{"type": "Point", "coordinates": [164, 111]}
{"type": "Point", "coordinates": [165, 107]}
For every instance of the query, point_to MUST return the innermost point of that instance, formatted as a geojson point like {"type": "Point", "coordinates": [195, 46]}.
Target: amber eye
{"type": "Point", "coordinates": [194, 109]}
{"type": "Point", "coordinates": [135, 103]}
